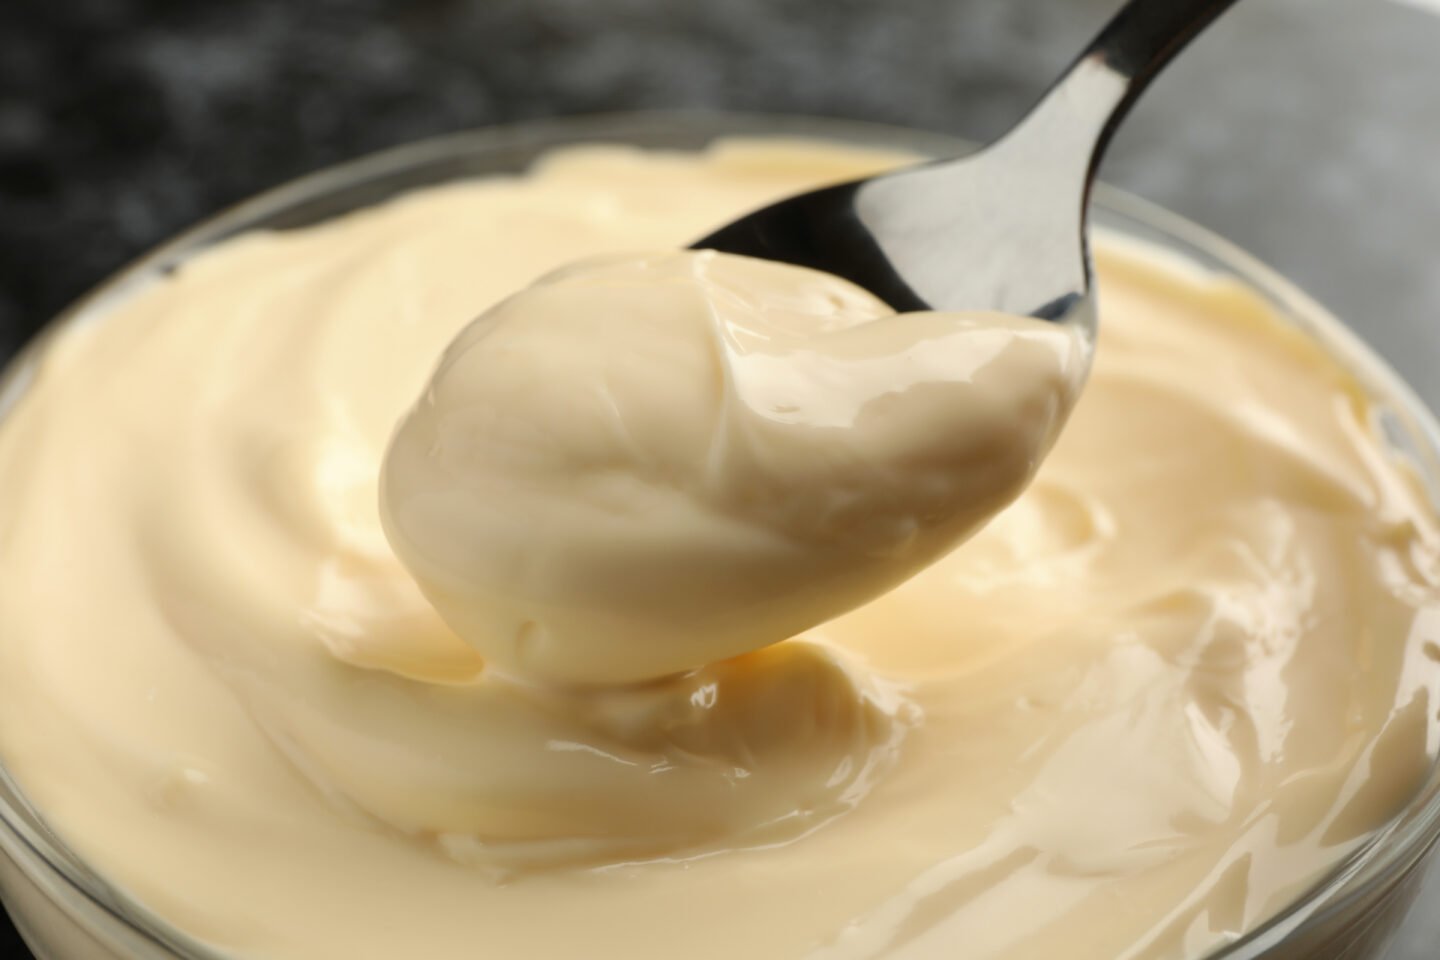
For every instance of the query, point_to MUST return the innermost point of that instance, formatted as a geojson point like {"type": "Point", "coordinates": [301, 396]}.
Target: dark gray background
{"type": "Point", "coordinates": [1306, 130]}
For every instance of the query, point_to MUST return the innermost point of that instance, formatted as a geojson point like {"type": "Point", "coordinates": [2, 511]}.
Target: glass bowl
{"type": "Point", "coordinates": [65, 911]}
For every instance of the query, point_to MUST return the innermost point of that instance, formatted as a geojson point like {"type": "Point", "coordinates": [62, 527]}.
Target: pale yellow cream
{"type": "Point", "coordinates": [1187, 671]}
{"type": "Point", "coordinates": [644, 464]}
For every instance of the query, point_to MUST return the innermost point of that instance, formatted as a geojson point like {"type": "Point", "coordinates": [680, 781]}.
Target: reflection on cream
{"type": "Point", "coordinates": [1173, 683]}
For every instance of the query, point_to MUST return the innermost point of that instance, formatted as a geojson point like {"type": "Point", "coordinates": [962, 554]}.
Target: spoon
{"type": "Point", "coordinates": [1001, 229]}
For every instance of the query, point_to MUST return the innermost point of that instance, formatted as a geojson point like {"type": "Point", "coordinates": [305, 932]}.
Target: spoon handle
{"type": "Point", "coordinates": [1082, 109]}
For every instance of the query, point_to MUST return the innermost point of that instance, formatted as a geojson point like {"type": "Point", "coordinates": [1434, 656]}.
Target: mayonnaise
{"type": "Point", "coordinates": [1185, 673]}
{"type": "Point", "coordinates": [644, 464]}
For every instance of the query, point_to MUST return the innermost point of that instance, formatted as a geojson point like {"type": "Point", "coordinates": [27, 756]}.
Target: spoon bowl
{"type": "Point", "coordinates": [1002, 229]}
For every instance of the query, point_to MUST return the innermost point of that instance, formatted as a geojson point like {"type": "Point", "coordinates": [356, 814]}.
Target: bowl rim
{"type": "Point", "coordinates": [1381, 862]}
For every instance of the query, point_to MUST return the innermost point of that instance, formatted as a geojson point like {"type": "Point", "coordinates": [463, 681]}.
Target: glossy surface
{"type": "Point", "coordinates": [1003, 228]}
{"type": "Point", "coordinates": [647, 463]}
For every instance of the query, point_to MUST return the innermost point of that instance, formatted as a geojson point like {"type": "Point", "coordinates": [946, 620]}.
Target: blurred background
{"type": "Point", "coordinates": [1308, 131]}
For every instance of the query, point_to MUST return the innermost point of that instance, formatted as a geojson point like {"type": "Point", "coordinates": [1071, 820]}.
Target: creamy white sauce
{"type": "Point", "coordinates": [645, 464]}
{"type": "Point", "coordinates": [1170, 686]}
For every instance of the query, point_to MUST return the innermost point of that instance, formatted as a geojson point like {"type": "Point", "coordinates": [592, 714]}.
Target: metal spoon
{"type": "Point", "coordinates": [1003, 228]}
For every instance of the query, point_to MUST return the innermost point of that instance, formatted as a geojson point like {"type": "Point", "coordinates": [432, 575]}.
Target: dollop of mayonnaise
{"type": "Point", "coordinates": [640, 465]}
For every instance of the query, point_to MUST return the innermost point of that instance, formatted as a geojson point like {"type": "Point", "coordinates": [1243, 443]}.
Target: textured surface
{"type": "Point", "coordinates": [1306, 130]}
